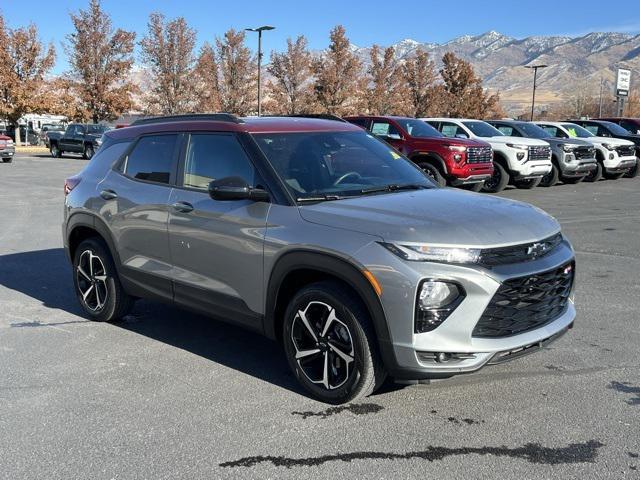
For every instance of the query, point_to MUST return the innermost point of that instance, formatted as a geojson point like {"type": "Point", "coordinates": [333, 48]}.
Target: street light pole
{"type": "Point", "coordinates": [535, 77]}
{"type": "Point", "coordinates": [260, 30]}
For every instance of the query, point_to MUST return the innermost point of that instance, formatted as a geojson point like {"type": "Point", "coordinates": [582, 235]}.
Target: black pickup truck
{"type": "Point", "coordinates": [84, 138]}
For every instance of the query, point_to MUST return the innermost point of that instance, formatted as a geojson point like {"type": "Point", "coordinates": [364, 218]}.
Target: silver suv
{"type": "Point", "coordinates": [315, 233]}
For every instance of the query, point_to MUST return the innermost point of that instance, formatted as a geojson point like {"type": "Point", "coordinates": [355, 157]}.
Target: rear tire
{"type": "Point", "coordinates": [433, 173]}
{"type": "Point", "coordinates": [551, 178]}
{"type": "Point", "coordinates": [529, 183]}
{"type": "Point", "coordinates": [337, 362]}
{"type": "Point", "coordinates": [595, 174]}
{"type": "Point", "coordinates": [498, 180]}
{"type": "Point", "coordinates": [96, 282]}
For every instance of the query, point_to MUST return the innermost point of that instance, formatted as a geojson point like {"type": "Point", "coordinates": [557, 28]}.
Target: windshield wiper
{"type": "Point", "coordinates": [321, 198]}
{"type": "Point", "coordinates": [394, 187]}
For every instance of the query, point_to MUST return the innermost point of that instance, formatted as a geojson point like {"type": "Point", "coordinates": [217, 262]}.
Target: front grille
{"type": "Point", "coordinates": [479, 154]}
{"type": "Point", "coordinates": [525, 303]}
{"type": "Point", "coordinates": [491, 257]}
{"type": "Point", "coordinates": [626, 150]}
{"type": "Point", "coordinates": [584, 152]}
{"type": "Point", "coordinates": [539, 153]}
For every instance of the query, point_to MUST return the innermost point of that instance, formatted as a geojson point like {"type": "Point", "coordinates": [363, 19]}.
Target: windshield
{"type": "Point", "coordinates": [615, 128]}
{"type": "Point", "coordinates": [576, 131]}
{"type": "Point", "coordinates": [97, 129]}
{"type": "Point", "coordinates": [533, 131]}
{"type": "Point", "coordinates": [326, 165]}
{"type": "Point", "coordinates": [482, 129]}
{"type": "Point", "coordinates": [418, 128]}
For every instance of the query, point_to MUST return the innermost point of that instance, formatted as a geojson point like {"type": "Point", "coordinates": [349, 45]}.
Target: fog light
{"type": "Point", "coordinates": [436, 300]}
{"type": "Point", "coordinates": [457, 157]}
{"type": "Point", "coordinates": [520, 155]}
{"type": "Point", "coordinates": [611, 156]}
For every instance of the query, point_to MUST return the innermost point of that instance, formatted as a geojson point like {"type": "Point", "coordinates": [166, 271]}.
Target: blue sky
{"type": "Point", "coordinates": [381, 22]}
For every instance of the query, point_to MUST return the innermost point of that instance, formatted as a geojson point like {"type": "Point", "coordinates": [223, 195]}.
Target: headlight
{"type": "Point", "coordinates": [608, 146]}
{"type": "Point", "coordinates": [567, 148]}
{"type": "Point", "coordinates": [426, 253]}
{"type": "Point", "coordinates": [436, 300]}
{"type": "Point", "coordinates": [98, 141]}
{"type": "Point", "coordinates": [519, 147]}
{"type": "Point", "coordinates": [457, 148]}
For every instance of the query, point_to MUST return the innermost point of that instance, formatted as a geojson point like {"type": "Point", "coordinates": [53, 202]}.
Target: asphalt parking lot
{"type": "Point", "coordinates": [169, 394]}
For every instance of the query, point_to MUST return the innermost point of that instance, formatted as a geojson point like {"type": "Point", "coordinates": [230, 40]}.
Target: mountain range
{"type": "Point", "coordinates": [574, 63]}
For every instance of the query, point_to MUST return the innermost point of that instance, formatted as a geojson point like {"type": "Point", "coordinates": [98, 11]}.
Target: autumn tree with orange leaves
{"type": "Point", "coordinates": [238, 80]}
{"type": "Point", "coordinates": [386, 93]}
{"type": "Point", "coordinates": [339, 83]}
{"type": "Point", "coordinates": [101, 59]}
{"type": "Point", "coordinates": [168, 51]}
{"type": "Point", "coordinates": [24, 63]}
{"type": "Point", "coordinates": [207, 81]}
{"type": "Point", "coordinates": [291, 89]}
{"type": "Point", "coordinates": [425, 95]}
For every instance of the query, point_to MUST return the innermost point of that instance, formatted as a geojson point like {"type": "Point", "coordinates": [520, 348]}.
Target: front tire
{"type": "Point", "coordinates": [473, 187]}
{"type": "Point", "coordinates": [55, 151]}
{"type": "Point", "coordinates": [88, 152]}
{"type": "Point", "coordinates": [551, 178]}
{"type": "Point", "coordinates": [433, 173]}
{"type": "Point", "coordinates": [7, 160]}
{"type": "Point", "coordinates": [613, 176]}
{"type": "Point", "coordinates": [498, 180]}
{"type": "Point", "coordinates": [595, 174]}
{"type": "Point", "coordinates": [330, 344]}
{"type": "Point", "coordinates": [96, 282]}
{"type": "Point", "coordinates": [633, 173]}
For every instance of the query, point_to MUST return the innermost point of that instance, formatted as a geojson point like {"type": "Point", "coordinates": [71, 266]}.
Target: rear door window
{"type": "Point", "coordinates": [593, 129]}
{"type": "Point", "coordinates": [152, 159]}
{"type": "Point", "coordinates": [384, 129]}
{"type": "Point", "coordinates": [506, 130]}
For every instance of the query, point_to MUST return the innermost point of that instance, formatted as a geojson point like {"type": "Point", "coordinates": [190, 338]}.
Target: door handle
{"type": "Point", "coordinates": [183, 207]}
{"type": "Point", "coordinates": [108, 194]}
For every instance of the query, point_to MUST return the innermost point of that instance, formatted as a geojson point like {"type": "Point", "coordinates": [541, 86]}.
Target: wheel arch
{"type": "Point", "coordinates": [81, 226]}
{"type": "Point", "coordinates": [501, 159]}
{"type": "Point", "coordinates": [298, 268]}
{"type": "Point", "coordinates": [432, 158]}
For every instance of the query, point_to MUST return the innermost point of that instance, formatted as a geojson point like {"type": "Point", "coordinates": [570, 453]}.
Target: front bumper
{"type": "Point", "coordinates": [7, 152]}
{"type": "Point", "coordinates": [414, 353]}
{"type": "Point", "coordinates": [532, 169]}
{"type": "Point", "coordinates": [619, 164]}
{"type": "Point", "coordinates": [578, 168]}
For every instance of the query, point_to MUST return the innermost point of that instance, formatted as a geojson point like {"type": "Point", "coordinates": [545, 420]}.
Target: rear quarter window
{"type": "Point", "coordinates": [152, 159]}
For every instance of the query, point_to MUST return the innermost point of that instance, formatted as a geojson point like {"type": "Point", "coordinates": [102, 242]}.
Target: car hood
{"type": "Point", "coordinates": [619, 142]}
{"type": "Point", "coordinates": [568, 141]}
{"type": "Point", "coordinates": [438, 216]}
{"type": "Point", "coordinates": [534, 142]}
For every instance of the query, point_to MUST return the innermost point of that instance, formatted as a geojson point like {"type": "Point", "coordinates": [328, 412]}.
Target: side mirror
{"type": "Point", "coordinates": [235, 188]}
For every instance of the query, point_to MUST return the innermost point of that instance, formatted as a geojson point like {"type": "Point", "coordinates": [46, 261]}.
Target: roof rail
{"type": "Point", "coordinates": [189, 117]}
{"type": "Point", "coordinates": [322, 116]}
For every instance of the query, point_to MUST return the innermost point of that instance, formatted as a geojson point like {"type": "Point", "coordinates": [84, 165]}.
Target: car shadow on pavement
{"type": "Point", "coordinates": [45, 275]}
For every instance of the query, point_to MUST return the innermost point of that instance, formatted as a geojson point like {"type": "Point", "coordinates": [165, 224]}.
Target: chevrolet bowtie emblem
{"type": "Point", "coordinates": [537, 249]}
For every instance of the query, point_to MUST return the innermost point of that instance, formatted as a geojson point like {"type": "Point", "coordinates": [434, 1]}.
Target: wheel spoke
{"type": "Point", "coordinates": [101, 278]}
{"type": "Point", "coordinates": [325, 372]}
{"type": "Point", "coordinates": [98, 302]}
{"type": "Point", "coordinates": [307, 353]}
{"type": "Point", "coordinates": [83, 273]}
{"type": "Point", "coordinates": [86, 294]}
{"type": "Point", "coordinates": [347, 358]}
{"type": "Point", "coordinates": [305, 322]}
{"type": "Point", "coordinates": [328, 322]}
{"type": "Point", "coordinates": [90, 264]}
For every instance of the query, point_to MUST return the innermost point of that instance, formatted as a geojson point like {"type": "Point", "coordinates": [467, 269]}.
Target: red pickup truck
{"type": "Point", "coordinates": [449, 161]}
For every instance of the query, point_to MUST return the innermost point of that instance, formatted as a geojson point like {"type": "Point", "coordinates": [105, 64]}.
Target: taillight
{"type": "Point", "coordinates": [71, 183]}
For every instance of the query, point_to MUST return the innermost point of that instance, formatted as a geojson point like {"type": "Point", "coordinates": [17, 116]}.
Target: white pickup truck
{"type": "Point", "coordinates": [615, 156]}
{"type": "Point", "coordinates": [517, 160]}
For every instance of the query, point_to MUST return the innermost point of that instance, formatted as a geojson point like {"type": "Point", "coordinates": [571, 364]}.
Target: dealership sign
{"type": "Point", "coordinates": [623, 82]}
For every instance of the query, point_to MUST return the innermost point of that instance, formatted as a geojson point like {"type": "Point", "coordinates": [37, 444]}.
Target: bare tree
{"type": "Point", "coordinates": [167, 50]}
{"type": "Point", "coordinates": [339, 83]}
{"type": "Point", "coordinates": [238, 74]}
{"type": "Point", "coordinates": [425, 94]}
{"type": "Point", "coordinates": [465, 96]}
{"type": "Point", "coordinates": [386, 91]}
{"type": "Point", "coordinates": [207, 78]}
{"type": "Point", "coordinates": [24, 62]}
{"type": "Point", "coordinates": [290, 91]}
{"type": "Point", "coordinates": [101, 59]}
